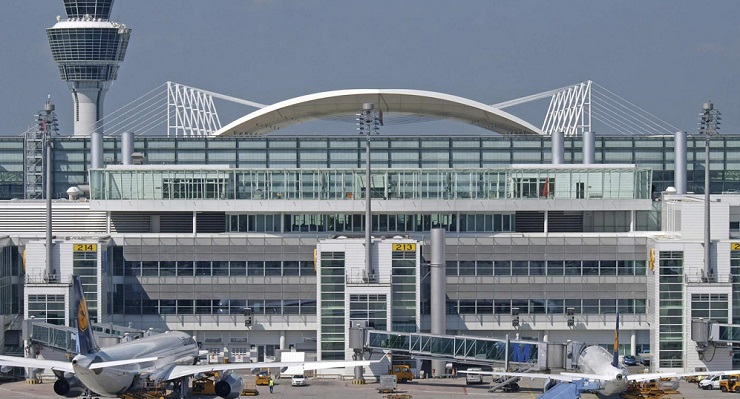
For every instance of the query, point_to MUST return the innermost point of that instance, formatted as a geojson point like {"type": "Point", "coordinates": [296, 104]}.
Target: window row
{"type": "Point", "coordinates": [234, 307]}
{"type": "Point", "coordinates": [546, 268]}
{"type": "Point", "coordinates": [381, 223]}
{"type": "Point", "coordinates": [544, 306]}
{"type": "Point", "coordinates": [205, 268]}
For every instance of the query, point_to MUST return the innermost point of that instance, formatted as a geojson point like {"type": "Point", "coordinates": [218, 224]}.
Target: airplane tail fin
{"type": "Point", "coordinates": [615, 361]}
{"type": "Point", "coordinates": [85, 337]}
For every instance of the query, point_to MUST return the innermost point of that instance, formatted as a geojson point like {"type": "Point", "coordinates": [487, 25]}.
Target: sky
{"type": "Point", "coordinates": [666, 56]}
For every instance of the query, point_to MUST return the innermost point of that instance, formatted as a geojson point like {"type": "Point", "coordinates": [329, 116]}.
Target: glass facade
{"type": "Point", "coordinates": [48, 308]}
{"type": "Point", "coordinates": [93, 8]}
{"type": "Point", "coordinates": [88, 53]}
{"type": "Point", "coordinates": [372, 308]}
{"type": "Point", "coordinates": [735, 278]}
{"type": "Point", "coordinates": [332, 324]}
{"type": "Point", "coordinates": [670, 308]}
{"type": "Point", "coordinates": [387, 184]}
{"type": "Point", "coordinates": [85, 265]}
{"type": "Point", "coordinates": [710, 306]}
{"type": "Point", "coordinates": [403, 291]}
{"type": "Point", "coordinates": [397, 152]}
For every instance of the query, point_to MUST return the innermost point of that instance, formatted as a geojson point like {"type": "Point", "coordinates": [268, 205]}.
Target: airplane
{"type": "Point", "coordinates": [598, 365]}
{"type": "Point", "coordinates": [128, 366]}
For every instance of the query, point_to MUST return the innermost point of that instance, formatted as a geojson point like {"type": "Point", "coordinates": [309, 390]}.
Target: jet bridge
{"type": "Point", "coordinates": [487, 351]}
{"type": "Point", "coordinates": [63, 338]}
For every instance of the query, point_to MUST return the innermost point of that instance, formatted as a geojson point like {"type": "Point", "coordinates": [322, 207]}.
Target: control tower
{"type": "Point", "coordinates": [88, 48]}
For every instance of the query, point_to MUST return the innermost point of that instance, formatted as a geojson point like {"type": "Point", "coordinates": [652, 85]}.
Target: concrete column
{"type": "Point", "coordinates": [558, 148]}
{"type": "Point", "coordinates": [437, 293]}
{"type": "Point", "coordinates": [589, 148]}
{"type": "Point", "coordinates": [283, 346]}
{"type": "Point", "coordinates": [88, 108]}
{"type": "Point", "coordinates": [679, 162]}
{"type": "Point", "coordinates": [96, 150]}
{"type": "Point", "coordinates": [633, 343]}
{"type": "Point", "coordinates": [195, 222]}
{"type": "Point", "coordinates": [127, 148]}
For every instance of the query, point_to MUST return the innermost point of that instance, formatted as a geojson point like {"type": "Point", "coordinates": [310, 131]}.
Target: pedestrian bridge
{"type": "Point", "coordinates": [460, 348]}
{"type": "Point", "coordinates": [65, 338]}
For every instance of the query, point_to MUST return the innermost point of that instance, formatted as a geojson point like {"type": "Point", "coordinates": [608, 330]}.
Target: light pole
{"type": "Point", "coordinates": [708, 126]}
{"type": "Point", "coordinates": [47, 124]}
{"type": "Point", "coordinates": [368, 123]}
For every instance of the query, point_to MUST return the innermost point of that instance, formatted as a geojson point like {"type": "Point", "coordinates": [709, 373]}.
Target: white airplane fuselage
{"type": "Point", "coordinates": [597, 360]}
{"type": "Point", "coordinates": [170, 348]}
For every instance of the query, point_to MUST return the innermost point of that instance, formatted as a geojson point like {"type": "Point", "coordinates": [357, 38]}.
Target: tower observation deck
{"type": "Point", "coordinates": [88, 49]}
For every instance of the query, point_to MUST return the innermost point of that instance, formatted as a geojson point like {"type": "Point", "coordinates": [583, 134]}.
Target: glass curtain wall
{"type": "Point", "coordinates": [331, 277]}
{"type": "Point", "coordinates": [671, 320]}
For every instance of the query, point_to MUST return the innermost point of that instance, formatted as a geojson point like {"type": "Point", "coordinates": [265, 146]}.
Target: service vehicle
{"type": "Point", "coordinates": [402, 372]}
{"type": "Point", "coordinates": [731, 383]}
{"type": "Point", "coordinates": [263, 378]}
{"type": "Point", "coordinates": [472, 377]}
{"type": "Point", "coordinates": [711, 382]}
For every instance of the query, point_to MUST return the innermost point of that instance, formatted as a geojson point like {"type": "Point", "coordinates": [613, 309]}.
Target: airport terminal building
{"type": "Point", "coordinates": [255, 244]}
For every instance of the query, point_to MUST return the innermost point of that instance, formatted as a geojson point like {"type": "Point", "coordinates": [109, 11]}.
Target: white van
{"type": "Point", "coordinates": [473, 378]}
{"type": "Point", "coordinates": [711, 382]}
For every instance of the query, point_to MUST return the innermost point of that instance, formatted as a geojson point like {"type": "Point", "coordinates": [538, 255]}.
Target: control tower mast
{"type": "Point", "coordinates": [88, 49]}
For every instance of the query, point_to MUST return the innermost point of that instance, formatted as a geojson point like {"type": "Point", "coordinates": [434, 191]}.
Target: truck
{"type": "Point", "coordinates": [402, 372]}
{"type": "Point", "coordinates": [387, 383]}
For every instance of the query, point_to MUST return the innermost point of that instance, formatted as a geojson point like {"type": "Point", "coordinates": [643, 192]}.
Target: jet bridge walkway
{"type": "Point", "coordinates": [486, 351]}
{"type": "Point", "coordinates": [63, 338]}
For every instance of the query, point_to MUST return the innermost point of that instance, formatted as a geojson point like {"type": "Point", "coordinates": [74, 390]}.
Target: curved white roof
{"type": "Point", "coordinates": [349, 102]}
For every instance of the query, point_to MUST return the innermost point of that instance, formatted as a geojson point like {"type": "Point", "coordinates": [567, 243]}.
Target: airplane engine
{"type": "Point", "coordinates": [549, 384]}
{"type": "Point", "coordinates": [69, 387]}
{"type": "Point", "coordinates": [230, 387]}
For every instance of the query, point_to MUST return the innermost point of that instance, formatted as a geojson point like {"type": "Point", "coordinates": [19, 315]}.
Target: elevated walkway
{"type": "Point", "coordinates": [52, 335]}
{"type": "Point", "coordinates": [486, 351]}
{"type": "Point", "coordinates": [62, 338]}
{"type": "Point", "coordinates": [728, 333]}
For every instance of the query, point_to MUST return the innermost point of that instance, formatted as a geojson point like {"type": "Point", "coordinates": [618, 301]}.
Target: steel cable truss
{"type": "Point", "coordinates": [574, 108]}
{"type": "Point", "coordinates": [182, 110]}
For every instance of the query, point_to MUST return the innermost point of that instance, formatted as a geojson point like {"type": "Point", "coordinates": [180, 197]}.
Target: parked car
{"type": "Point", "coordinates": [298, 380]}
{"type": "Point", "coordinates": [629, 360]}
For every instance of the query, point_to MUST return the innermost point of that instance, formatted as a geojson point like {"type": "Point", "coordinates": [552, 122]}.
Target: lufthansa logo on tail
{"type": "Point", "coordinates": [82, 319]}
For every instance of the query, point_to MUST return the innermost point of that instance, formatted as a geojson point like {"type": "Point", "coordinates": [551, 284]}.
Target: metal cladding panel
{"type": "Point", "coordinates": [66, 218]}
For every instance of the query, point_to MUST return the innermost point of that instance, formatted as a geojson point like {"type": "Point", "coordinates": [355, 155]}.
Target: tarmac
{"type": "Point", "coordinates": [339, 389]}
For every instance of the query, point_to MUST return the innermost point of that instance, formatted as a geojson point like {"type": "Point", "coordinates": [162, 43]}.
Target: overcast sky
{"type": "Point", "coordinates": [666, 56]}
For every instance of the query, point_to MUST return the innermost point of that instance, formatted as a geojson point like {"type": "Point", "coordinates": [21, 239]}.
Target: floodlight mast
{"type": "Point", "coordinates": [368, 123]}
{"type": "Point", "coordinates": [709, 121]}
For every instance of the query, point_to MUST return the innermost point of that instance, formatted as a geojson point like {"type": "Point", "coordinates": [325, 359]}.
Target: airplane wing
{"type": "Point", "coordinates": [655, 376]}
{"type": "Point", "coordinates": [556, 377]}
{"type": "Point", "coordinates": [102, 365]}
{"type": "Point", "coordinates": [15, 361]}
{"type": "Point", "coordinates": [652, 376]}
{"type": "Point", "coordinates": [180, 371]}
